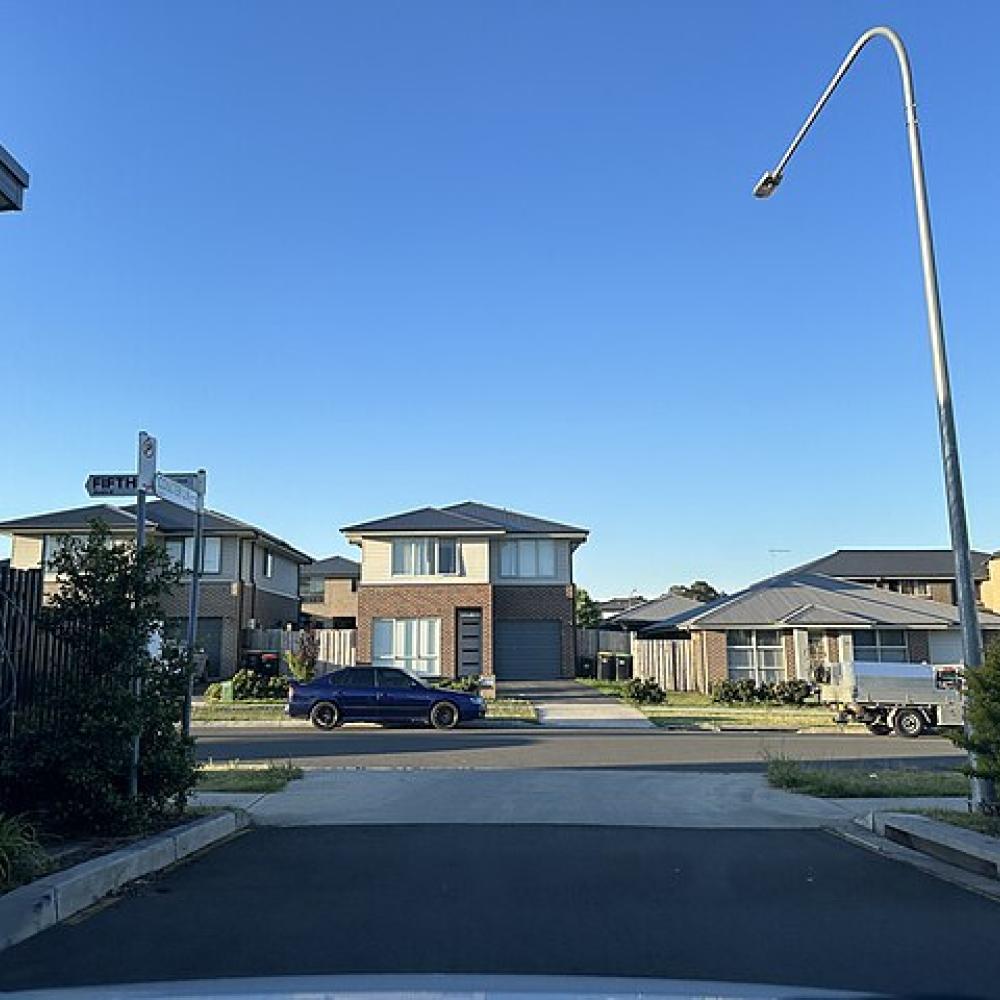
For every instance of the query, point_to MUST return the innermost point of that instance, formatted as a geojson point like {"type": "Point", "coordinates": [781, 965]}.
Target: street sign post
{"type": "Point", "coordinates": [147, 461]}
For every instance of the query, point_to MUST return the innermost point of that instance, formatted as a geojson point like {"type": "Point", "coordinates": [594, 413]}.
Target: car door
{"type": "Point", "coordinates": [401, 697]}
{"type": "Point", "coordinates": [356, 693]}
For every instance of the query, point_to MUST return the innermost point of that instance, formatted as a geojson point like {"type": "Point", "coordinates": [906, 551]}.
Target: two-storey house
{"type": "Point", "coordinates": [467, 589]}
{"type": "Point", "coordinates": [249, 577]}
{"type": "Point", "coordinates": [329, 592]}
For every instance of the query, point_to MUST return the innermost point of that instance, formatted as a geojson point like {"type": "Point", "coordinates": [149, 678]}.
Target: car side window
{"type": "Point", "coordinates": [357, 677]}
{"type": "Point", "coordinates": [391, 678]}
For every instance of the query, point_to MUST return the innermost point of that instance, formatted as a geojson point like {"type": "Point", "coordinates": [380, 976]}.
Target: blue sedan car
{"type": "Point", "coordinates": [379, 694]}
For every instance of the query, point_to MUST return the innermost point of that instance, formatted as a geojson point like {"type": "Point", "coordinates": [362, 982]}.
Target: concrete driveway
{"type": "Point", "coordinates": [565, 703]}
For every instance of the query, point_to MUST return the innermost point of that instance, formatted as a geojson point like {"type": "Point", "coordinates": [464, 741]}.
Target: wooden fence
{"type": "Point", "coordinates": [35, 666]}
{"type": "Point", "coordinates": [666, 661]}
{"type": "Point", "coordinates": [337, 646]}
{"type": "Point", "coordinates": [591, 641]}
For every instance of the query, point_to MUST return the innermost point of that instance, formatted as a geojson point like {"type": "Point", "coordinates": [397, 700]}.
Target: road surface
{"type": "Point", "coordinates": [534, 747]}
{"type": "Point", "coordinates": [793, 907]}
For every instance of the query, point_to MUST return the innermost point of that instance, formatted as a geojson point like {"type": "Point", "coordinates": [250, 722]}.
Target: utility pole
{"type": "Point", "coordinates": [192, 629]}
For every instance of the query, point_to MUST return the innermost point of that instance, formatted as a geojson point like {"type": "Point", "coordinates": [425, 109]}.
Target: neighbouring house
{"type": "Point", "coordinates": [329, 592]}
{"type": "Point", "coordinates": [249, 577]}
{"type": "Point", "coordinates": [794, 626]}
{"type": "Point", "coordinates": [616, 605]}
{"type": "Point", "coordinates": [467, 589]}
{"type": "Point", "coordinates": [915, 572]}
{"type": "Point", "coordinates": [648, 613]}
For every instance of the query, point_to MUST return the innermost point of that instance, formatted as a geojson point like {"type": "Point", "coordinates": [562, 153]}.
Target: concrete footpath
{"type": "Point", "coordinates": [598, 797]}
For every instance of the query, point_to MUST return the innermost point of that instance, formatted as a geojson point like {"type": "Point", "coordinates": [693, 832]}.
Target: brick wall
{"type": "Point", "coordinates": [788, 643]}
{"type": "Point", "coordinates": [426, 601]}
{"type": "Point", "coordinates": [714, 651]}
{"type": "Point", "coordinates": [942, 590]}
{"type": "Point", "coordinates": [541, 603]}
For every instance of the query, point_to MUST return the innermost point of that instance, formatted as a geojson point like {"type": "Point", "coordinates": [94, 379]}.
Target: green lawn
{"type": "Point", "coordinates": [519, 709]}
{"type": "Point", "coordinates": [693, 710]}
{"type": "Point", "coordinates": [246, 778]}
{"type": "Point", "coordinates": [855, 783]}
{"type": "Point", "coordinates": [990, 825]}
{"type": "Point", "coordinates": [237, 711]}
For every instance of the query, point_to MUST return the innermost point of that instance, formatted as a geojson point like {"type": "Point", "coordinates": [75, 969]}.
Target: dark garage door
{"type": "Point", "coordinates": [527, 651]}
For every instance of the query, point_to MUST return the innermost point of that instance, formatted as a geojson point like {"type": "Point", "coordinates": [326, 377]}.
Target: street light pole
{"type": "Point", "coordinates": [981, 790]}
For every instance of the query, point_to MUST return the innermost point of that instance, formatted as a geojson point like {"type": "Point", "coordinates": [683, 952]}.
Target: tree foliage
{"type": "Point", "coordinates": [983, 713]}
{"type": "Point", "coordinates": [700, 590]}
{"type": "Point", "coordinates": [588, 615]}
{"type": "Point", "coordinates": [302, 662]}
{"type": "Point", "coordinates": [76, 774]}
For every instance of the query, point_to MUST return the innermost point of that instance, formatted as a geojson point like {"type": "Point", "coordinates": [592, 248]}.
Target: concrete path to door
{"type": "Point", "coordinates": [567, 704]}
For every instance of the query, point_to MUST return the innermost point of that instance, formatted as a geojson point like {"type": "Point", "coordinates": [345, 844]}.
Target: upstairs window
{"type": "Point", "coordinates": [425, 557]}
{"type": "Point", "coordinates": [311, 588]}
{"type": "Point", "coordinates": [181, 550]}
{"type": "Point", "coordinates": [528, 558]}
{"type": "Point", "coordinates": [268, 564]}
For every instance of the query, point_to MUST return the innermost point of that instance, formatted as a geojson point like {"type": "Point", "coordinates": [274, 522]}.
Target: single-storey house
{"type": "Point", "coordinates": [794, 626]}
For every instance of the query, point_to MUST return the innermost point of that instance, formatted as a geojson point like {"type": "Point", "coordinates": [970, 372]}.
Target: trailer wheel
{"type": "Point", "coordinates": [909, 722]}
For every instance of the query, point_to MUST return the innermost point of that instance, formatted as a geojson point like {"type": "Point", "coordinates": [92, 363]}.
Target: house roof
{"type": "Point", "coordinates": [652, 611]}
{"type": "Point", "coordinates": [909, 564]}
{"type": "Point", "coordinates": [72, 519]}
{"type": "Point", "coordinates": [818, 600]}
{"type": "Point", "coordinates": [166, 517]}
{"type": "Point", "coordinates": [467, 517]}
{"type": "Point", "coordinates": [335, 567]}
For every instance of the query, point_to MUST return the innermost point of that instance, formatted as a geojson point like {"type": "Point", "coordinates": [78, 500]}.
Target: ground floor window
{"type": "Point", "coordinates": [881, 645]}
{"type": "Point", "coordinates": [411, 643]}
{"type": "Point", "coordinates": [755, 654]}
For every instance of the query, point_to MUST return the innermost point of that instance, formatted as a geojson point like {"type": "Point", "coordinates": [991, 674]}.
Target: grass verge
{"type": "Point", "coordinates": [514, 709]}
{"type": "Point", "coordinates": [236, 777]}
{"type": "Point", "coordinates": [859, 783]}
{"type": "Point", "coordinates": [977, 822]}
{"type": "Point", "coordinates": [238, 711]}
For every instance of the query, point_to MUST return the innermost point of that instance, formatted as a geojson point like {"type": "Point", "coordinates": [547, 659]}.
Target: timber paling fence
{"type": "Point", "coordinates": [36, 666]}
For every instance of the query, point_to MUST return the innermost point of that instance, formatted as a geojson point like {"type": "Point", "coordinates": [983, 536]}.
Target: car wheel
{"type": "Point", "coordinates": [909, 723]}
{"type": "Point", "coordinates": [325, 715]}
{"type": "Point", "coordinates": [878, 728]}
{"type": "Point", "coordinates": [444, 715]}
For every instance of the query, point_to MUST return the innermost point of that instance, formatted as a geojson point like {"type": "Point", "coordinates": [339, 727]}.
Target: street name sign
{"type": "Point", "coordinates": [169, 489]}
{"type": "Point", "coordinates": [112, 484]}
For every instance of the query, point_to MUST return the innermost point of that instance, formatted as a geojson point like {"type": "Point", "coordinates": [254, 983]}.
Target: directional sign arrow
{"type": "Point", "coordinates": [168, 489]}
{"type": "Point", "coordinates": [112, 484]}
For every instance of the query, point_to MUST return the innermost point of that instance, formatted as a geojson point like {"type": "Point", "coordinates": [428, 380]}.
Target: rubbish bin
{"type": "Point", "coordinates": [623, 666]}
{"type": "Point", "coordinates": [585, 666]}
{"type": "Point", "coordinates": [606, 666]}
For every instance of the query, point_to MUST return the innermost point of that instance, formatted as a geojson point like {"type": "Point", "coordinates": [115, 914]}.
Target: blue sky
{"type": "Point", "coordinates": [360, 257]}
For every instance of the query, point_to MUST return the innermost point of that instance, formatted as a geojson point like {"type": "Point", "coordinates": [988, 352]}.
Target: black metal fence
{"type": "Point", "coordinates": [35, 666]}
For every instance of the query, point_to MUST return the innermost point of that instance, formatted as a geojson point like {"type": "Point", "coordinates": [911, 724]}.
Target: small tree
{"type": "Point", "coordinates": [700, 590]}
{"type": "Point", "coordinates": [587, 614]}
{"type": "Point", "coordinates": [983, 712]}
{"type": "Point", "coordinates": [76, 773]}
{"type": "Point", "coordinates": [302, 663]}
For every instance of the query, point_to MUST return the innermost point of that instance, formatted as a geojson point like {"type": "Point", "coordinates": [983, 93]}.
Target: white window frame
{"type": "Point", "coordinates": [757, 669]}
{"type": "Point", "coordinates": [415, 645]}
{"type": "Point", "coordinates": [209, 544]}
{"type": "Point", "coordinates": [875, 652]}
{"type": "Point", "coordinates": [403, 559]}
{"type": "Point", "coordinates": [515, 562]}
{"type": "Point", "coordinates": [312, 588]}
{"type": "Point", "coordinates": [268, 564]}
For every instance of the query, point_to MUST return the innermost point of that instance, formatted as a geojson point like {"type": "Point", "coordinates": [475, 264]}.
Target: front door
{"type": "Point", "coordinates": [818, 659]}
{"type": "Point", "coordinates": [470, 642]}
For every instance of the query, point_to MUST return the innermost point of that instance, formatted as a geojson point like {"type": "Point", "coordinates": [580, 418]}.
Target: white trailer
{"type": "Point", "coordinates": [910, 698]}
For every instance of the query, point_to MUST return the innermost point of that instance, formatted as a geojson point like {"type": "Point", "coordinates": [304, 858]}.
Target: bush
{"type": "Point", "coordinates": [983, 714]}
{"type": "Point", "coordinates": [645, 691]}
{"type": "Point", "coordinates": [748, 692]}
{"type": "Point", "coordinates": [21, 856]}
{"type": "Point", "coordinates": [250, 685]}
{"type": "Point", "coordinates": [467, 684]}
{"type": "Point", "coordinates": [214, 691]}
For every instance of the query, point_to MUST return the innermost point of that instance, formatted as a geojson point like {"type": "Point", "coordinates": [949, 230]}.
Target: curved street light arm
{"type": "Point", "coordinates": [972, 644]}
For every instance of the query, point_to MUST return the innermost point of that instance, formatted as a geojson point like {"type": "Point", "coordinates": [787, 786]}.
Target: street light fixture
{"type": "Point", "coordinates": [981, 791]}
{"type": "Point", "coordinates": [13, 181]}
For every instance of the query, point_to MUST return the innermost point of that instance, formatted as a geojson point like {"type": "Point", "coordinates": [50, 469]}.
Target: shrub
{"type": "Point", "coordinates": [468, 684]}
{"type": "Point", "coordinates": [214, 691]}
{"type": "Point", "coordinates": [983, 714]}
{"type": "Point", "coordinates": [250, 685]}
{"type": "Point", "coordinates": [746, 692]}
{"type": "Point", "coordinates": [795, 692]}
{"type": "Point", "coordinates": [645, 691]}
{"type": "Point", "coordinates": [21, 856]}
{"type": "Point", "coordinates": [302, 663]}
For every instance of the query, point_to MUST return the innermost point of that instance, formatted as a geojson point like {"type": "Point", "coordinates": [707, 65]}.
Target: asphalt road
{"type": "Point", "coordinates": [534, 747]}
{"type": "Point", "coordinates": [790, 907]}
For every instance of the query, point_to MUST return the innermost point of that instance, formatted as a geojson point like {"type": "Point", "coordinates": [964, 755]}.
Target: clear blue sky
{"type": "Point", "coordinates": [359, 257]}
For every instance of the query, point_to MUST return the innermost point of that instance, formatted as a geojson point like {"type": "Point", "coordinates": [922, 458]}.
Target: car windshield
{"type": "Point", "coordinates": [499, 488]}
